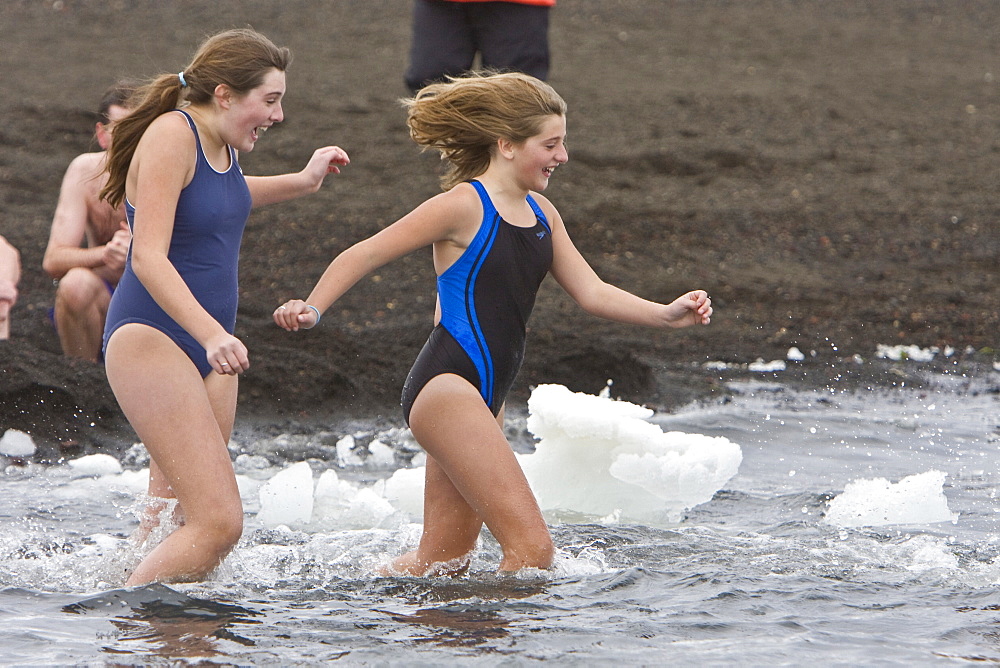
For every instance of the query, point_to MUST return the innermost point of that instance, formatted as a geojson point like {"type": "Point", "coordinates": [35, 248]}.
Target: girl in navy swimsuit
{"type": "Point", "coordinates": [494, 239]}
{"type": "Point", "coordinates": [171, 356]}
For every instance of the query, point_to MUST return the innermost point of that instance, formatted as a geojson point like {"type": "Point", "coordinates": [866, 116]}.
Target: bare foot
{"type": "Point", "coordinates": [411, 565]}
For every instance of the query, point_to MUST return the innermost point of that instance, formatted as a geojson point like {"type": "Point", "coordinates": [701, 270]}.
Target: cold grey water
{"type": "Point", "coordinates": [778, 527]}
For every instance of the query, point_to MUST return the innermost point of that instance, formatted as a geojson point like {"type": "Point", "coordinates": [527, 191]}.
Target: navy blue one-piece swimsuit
{"type": "Point", "coordinates": [211, 214]}
{"type": "Point", "coordinates": [486, 297]}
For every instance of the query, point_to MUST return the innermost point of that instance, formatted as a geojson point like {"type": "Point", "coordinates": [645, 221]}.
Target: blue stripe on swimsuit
{"type": "Point", "coordinates": [486, 298]}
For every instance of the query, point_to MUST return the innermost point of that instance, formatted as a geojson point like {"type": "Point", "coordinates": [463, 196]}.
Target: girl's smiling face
{"type": "Point", "coordinates": [538, 156]}
{"type": "Point", "coordinates": [253, 113]}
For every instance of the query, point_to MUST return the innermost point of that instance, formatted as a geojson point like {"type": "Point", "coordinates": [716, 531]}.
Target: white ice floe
{"type": "Point", "coordinates": [345, 452]}
{"type": "Point", "coordinates": [767, 367]}
{"type": "Point", "coordinates": [916, 499]}
{"type": "Point", "coordinates": [287, 498]}
{"type": "Point", "coordinates": [380, 455]}
{"type": "Point", "coordinates": [96, 465]}
{"type": "Point", "coordinates": [16, 443]}
{"type": "Point", "coordinates": [595, 457]}
{"type": "Point", "coordinates": [598, 457]}
{"type": "Point", "coordinates": [758, 365]}
{"type": "Point", "coordinates": [912, 353]}
{"type": "Point", "coordinates": [340, 504]}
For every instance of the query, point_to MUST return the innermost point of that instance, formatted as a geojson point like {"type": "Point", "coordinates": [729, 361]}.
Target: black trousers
{"type": "Point", "coordinates": [447, 36]}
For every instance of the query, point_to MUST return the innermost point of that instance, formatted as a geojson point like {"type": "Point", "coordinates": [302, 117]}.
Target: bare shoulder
{"type": "Point", "coordinates": [458, 208]}
{"type": "Point", "coordinates": [86, 165]}
{"type": "Point", "coordinates": [463, 198]}
{"type": "Point", "coordinates": [169, 131]}
{"type": "Point", "coordinates": [166, 146]}
{"type": "Point", "coordinates": [549, 209]}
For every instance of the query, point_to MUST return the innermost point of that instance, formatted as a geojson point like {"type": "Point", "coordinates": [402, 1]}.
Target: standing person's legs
{"type": "Point", "coordinates": [473, 477]}
{"type": "Point", "coordinates": [222, 395]}
{"type": "Point", "coordinates": [175, 413]}
{"type": "Point", "coordinates": [512, 36]}
{"type": "Point", "coordinates": [82, 300]}
{"type": "Point", "coordinates": [442, 43]}
{"type": "Point", "coordinates": [451, 529]}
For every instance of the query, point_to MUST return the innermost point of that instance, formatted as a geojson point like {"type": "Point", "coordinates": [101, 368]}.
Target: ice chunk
{"type": "Point", "coordinates": [287, 498]}
{"type": "Point", "coordinates": [96, 465]}
{"type": "Point", "coordinates": [600, 457]}
{"type": "Point", "coordinates": [916, 499]}
{"type": "Point", "coordinates": [15, 443]}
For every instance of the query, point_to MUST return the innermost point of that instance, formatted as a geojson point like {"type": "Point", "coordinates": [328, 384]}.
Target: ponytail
{"type": "Point", "coordinates": [152, 100]}
{"type": "Point", "coordinates": [237, 58]}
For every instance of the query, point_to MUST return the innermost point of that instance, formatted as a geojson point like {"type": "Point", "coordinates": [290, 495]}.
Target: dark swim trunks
{"type": "Point", "coordinates": [486, 298]}
{"type": "Point", "coordinates": [205, 246]}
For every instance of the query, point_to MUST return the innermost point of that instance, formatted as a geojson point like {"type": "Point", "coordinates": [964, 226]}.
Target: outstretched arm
{"type": "Point", "coordinates": [272, 189]}
{"type": "Point", "coordinates": [604, 300]}
{"type": "Point", "coordinates": [438, 219]}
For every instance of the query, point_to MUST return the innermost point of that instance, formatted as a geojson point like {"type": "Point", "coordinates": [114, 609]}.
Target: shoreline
{"type": "Point", "coordinates": [825, 171]}
{"type": "Point", "coordinates": [67, 423]}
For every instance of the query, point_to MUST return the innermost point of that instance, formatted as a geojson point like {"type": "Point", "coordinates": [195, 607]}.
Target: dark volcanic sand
{"type": "Point", "coordinates": [826, 170]}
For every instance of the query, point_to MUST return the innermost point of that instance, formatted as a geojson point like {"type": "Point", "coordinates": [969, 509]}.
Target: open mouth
{"type": "Point", "coordinates": [258, 131]}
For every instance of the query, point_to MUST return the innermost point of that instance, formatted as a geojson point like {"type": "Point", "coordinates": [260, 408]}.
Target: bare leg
{"type": "Point", "coordinates": [4, 320]}
{"type": "Point", "coordinates": [451, 529]}
{"type": "Point", "coordinates": [159, 488]}
{"type": "Point", "coordinates": [158, 491]}
{"type": "Point", "coordinates": [81, 305]}
{"type": "Point", "coordinates": [176, 415]}
{"type": "Point", "coordinates": [472, 477]}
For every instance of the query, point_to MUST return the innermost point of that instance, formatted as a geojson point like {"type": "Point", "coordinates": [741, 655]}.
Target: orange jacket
{"type": "Point", "coordinates": [543, 3]}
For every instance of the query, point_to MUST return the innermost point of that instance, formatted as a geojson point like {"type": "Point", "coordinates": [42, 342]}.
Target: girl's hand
{"type": "Point", "coordinates": [295, 314]}
{"type": "Point", "coordinates": [227, 355]}
{"type": "Point", "coordinates": [324, 161]}
{"type": "Point", "coordinates": [694, 308]}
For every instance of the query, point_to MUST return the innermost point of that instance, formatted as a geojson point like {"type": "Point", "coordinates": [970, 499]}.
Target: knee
{"type": "Point", "coordinates": [536, 552]}
{"type": "Point", "coordinates": [76, 289]}
{"type": "Point", "coordinates": [230, 528]}
{"type": "Point", "coordinates": [223, 529]}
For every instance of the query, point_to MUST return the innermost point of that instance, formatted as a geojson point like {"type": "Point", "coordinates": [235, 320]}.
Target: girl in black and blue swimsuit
{"type": "Point", "coordinates": [494, 239]}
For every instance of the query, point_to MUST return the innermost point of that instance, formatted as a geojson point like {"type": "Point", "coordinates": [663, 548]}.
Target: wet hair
{"type": "Point", "coordinates": [239, 59]}
{"type": "Point", "coordinates": [462, 118]}
{"type": "Point", "coordinates": [116, 95]}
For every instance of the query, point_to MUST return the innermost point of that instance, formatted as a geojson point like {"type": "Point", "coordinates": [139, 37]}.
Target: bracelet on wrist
{"type": "Point", "coordinates": [316, 311]}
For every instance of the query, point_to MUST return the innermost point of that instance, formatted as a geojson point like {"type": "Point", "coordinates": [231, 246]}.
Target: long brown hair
{"type": "Point", "coordinates": [237, 58]}
{"type": "Point", "coordinates": [464, 117]}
